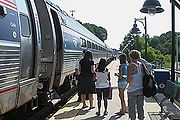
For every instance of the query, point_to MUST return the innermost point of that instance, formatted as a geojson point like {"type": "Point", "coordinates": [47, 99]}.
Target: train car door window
{"type": "Point", "coordinates": [26, 47]}
{"type": "Point", "coordinates": [25, 27]}
{"type": "Point", "coordinates": [3, 11]}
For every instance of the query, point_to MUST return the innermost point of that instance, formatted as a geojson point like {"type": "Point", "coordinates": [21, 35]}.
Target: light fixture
{"type": "Point", "coordinates": [135, 29]}
{"type": "Point", "coordinates": [151, 7]}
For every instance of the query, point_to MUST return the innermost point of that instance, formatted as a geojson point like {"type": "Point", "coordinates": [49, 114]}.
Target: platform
{"type": "Point", "coordinates": [72, 110]}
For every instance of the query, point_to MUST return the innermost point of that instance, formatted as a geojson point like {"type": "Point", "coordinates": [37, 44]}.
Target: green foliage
{"type": "Point", "coordinates": [98, 31]}
{"type": "Point", "coordinates": [138, 43]}
{"type": "Point", "coordinates": [158, 47]}
{"type": "Point", "coordinates": [162, 43]}
{"type": "Point", "coordinates": [151, 54]}
{"type": "Point", "coordinates": [167, 61]}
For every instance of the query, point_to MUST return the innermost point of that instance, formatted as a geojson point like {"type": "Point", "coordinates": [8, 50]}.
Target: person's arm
{"type": "Point", "coordinates": [77, 67]}
{"type": "Point", "coordinates": [92, 67]}
{"type": "Point", "coordinates": [76, 71]}
{"type": "Point", "coordinates": [109, 78]}
{"type": "Point", "coordinates": [120, 71]}
{"type": "Point", "coordinates": [129, 72]}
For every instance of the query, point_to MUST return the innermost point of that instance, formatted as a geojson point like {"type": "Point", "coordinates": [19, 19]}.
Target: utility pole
{"type": "Point", "coordinates": [72, 13]}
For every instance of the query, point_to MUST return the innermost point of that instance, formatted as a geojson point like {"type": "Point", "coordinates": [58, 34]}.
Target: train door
{"type": "Point", "coordinates": [59, 48]}
{"type": "Point", "coordinates": [28, 79]}
{"type": "Point", "coordinates": [9, 55]}
{"type": "Point", "coordinates": [51, 48]}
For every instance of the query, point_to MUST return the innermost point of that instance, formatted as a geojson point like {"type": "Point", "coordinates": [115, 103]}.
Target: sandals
{"type": "Point", "coordinates": [98, 113]}
{"type": "Point", "coordinates": [121, 113]}
{"type": "Point", "coordinates": [126, 111]}
{"type": "Point", "coordinates": [84, 107]}
{"type": "Point", "coordinates": [105, 112]}
{"type": "Point", "coordinates": [91, 108]}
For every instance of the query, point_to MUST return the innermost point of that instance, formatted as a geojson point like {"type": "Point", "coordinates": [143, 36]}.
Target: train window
{"type": "Point", "coordinates": [83, 42]}
{"type": "Point", "coordinates": [99, 47]}
{"type": "Point", "coordinates": [93, 46]}
{"type": "Point", "coordinates": [88, 44]}
{"type": "Point", "coordinates": [25, 26]}
{"type": "Point", "coordinates": [96, 47]}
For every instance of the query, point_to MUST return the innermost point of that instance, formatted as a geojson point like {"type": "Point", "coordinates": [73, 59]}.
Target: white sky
{"type": "Point", "coordinates": [117, 17]}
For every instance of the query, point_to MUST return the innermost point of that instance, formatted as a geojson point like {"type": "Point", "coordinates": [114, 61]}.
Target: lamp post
{"type": "Point", "coordinates": [136, 30]}
{"type": "Point", "coordinates": [153, 4]}
{"type": "Point", "coordinates": [151, 7]}
{"type": "Point", "coordinates": [173, 4]}
{"type": "Point", "coordinates": [177, 36]}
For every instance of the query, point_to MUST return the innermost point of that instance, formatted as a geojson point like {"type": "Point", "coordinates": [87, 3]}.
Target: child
{"type": "Point", "coordinates": [102, 84]}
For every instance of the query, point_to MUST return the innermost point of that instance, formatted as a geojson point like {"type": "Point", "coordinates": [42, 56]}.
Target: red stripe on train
{"type": "Point", "coordinates": [9, 4]}
{"type": "Point", "coordinates": [8, 89]}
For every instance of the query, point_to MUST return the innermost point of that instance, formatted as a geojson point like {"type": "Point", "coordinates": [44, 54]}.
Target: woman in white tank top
{"type": "Point", "coordinates": [135, 88]}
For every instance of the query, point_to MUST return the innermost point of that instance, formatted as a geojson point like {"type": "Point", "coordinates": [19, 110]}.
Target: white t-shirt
{"type": "Point", "coordinates": [77, 63]}
{"type": "Point", "coordinates": [102, 79]}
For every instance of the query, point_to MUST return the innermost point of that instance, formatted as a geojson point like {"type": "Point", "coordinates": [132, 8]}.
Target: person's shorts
{"type": "Point", "coordinates": [122, 84]}
{"type": "Point", "coordinates": [102, 92]}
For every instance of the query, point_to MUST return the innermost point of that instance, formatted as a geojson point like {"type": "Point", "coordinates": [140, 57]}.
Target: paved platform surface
{"type": "Point", "coordinates": [72, 110]}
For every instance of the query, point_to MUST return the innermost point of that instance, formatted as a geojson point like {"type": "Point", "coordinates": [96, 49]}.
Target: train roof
{"type": "Point", "coordinates": [76, 26]}
{"type": "Point", "coordinates": [73, 24]}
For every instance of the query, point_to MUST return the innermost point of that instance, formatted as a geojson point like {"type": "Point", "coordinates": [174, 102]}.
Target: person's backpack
{"type": "Point", "coordinates": [149, 85]}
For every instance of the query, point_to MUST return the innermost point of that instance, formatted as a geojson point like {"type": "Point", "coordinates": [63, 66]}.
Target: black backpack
{"type": "Point", "coordinates": [149, 85]}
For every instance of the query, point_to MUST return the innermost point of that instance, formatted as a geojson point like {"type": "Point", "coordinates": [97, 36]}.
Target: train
{"type": "Point", "coordinates": [39, 46]}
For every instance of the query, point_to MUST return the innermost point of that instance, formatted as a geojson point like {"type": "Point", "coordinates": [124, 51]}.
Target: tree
{"type": "Point", "coordinates": [98, 31]}
{"type": "Point", "coordinates": [167, 61]}
{"type": "Point", "coordinates": [162, 43]}
{"type": "Point", "coordinates": [158, 47]}
{"type": "Point", "coordinates": [138, 43]}
{"type": "Point", "coordinates": [101, 33]}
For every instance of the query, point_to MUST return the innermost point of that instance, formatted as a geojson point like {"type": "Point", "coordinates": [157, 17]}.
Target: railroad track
{"type": "Point", "coordinates": [43, 113]}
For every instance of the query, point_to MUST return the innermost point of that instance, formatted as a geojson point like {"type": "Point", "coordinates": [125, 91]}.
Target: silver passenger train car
{"type": "Point", "coordinates": [39, 45]}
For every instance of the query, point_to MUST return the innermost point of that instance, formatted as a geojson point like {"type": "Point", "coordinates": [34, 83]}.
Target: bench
{"type": "Point", "coordinates": [171, 91]}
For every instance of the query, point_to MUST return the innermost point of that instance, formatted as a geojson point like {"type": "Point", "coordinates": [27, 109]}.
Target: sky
{"type": "Point", "coordinates": [117, 17]}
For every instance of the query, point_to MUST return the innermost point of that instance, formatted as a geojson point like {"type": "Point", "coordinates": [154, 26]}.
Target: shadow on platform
{"type": "Point", "coordinates": [95, 118]}
{"type": "Point", "coordinates": [73, 104]}
{"type": "Point", "coordinates": [66, 114]}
